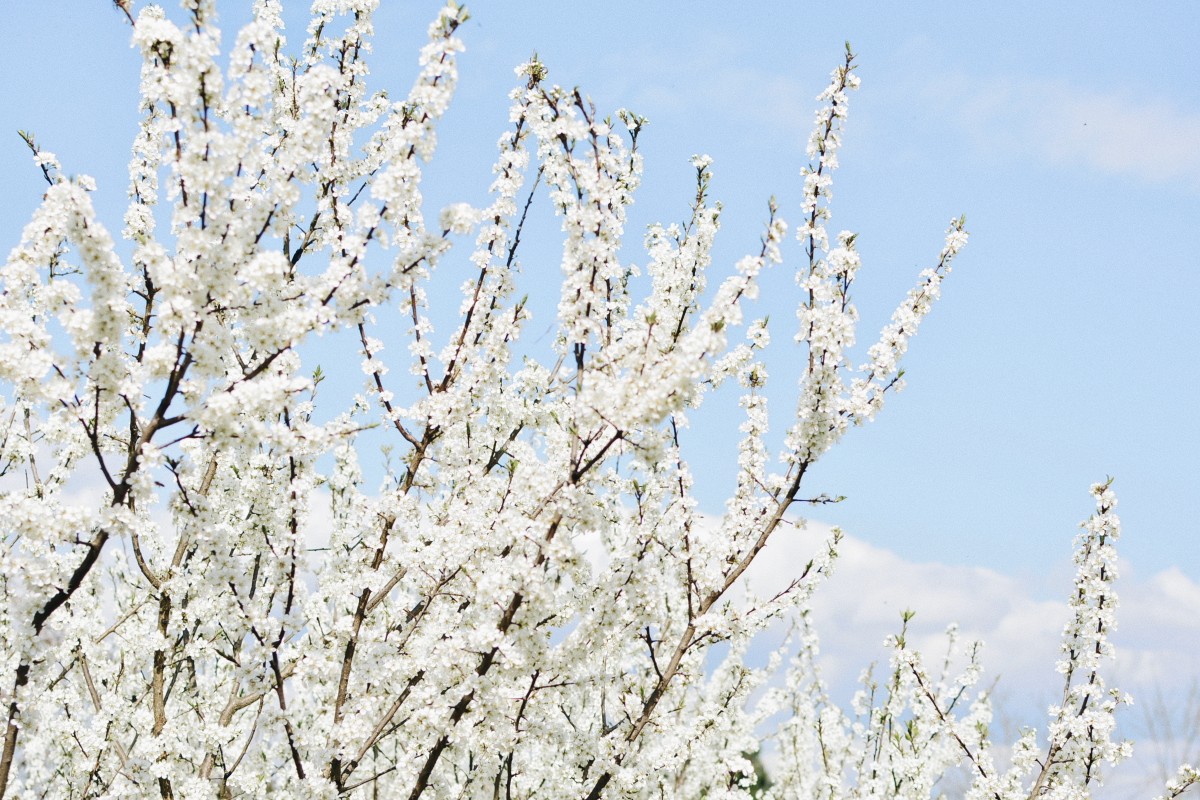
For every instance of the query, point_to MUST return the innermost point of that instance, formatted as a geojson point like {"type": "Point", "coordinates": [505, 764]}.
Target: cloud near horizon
{"type": "Point", "coordinates": [1157, 660]}
{"type": "Point", "coordinates": [860, 604]}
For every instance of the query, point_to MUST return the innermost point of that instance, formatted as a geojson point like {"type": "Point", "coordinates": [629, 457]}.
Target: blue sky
{"type": "Point", "coordinates": [1069, 133]}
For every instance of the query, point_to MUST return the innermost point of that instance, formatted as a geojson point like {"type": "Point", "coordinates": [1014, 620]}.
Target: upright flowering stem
{"type": "Point", "coordinates": [1083, 722]}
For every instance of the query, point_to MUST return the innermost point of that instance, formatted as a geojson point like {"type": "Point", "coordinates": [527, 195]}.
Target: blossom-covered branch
{"type": "Point", "coordinates": [203, 593]}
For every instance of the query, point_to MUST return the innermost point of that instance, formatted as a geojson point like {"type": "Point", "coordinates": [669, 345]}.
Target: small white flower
{"type": "Point", "coordinates": [458, 218]}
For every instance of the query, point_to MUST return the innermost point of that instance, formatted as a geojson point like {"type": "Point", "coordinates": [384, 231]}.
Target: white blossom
{"type": "Point", "coordinates": [529, 604]}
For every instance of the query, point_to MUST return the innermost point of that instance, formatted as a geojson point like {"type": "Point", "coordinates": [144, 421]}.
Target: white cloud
{"type": "Point", "coordinates": [1157, 657]}
{"type": "Point", "coordinates": [1123, 132]}
{"type": "Point", "coordinates": [1119, 133]}
{"type": "Point", "coordinates": [862, 602]}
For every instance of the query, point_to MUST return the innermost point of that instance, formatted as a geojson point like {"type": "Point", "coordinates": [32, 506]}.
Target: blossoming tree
{"type": "Point", "coordinates": [531, 605]}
